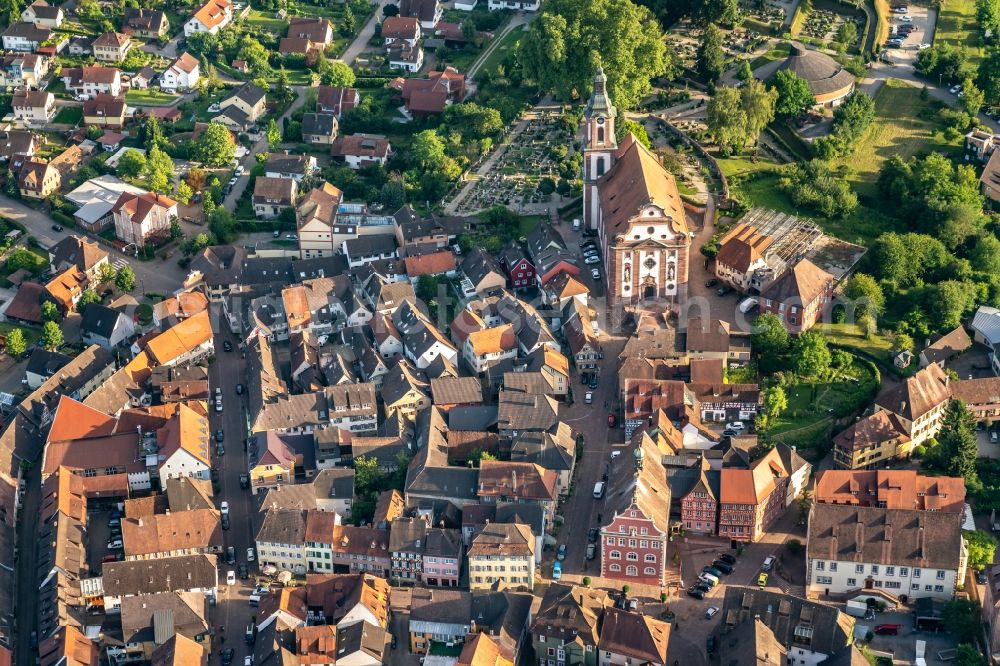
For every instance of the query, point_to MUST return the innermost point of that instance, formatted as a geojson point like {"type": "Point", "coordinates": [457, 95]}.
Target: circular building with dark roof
{"type": "Point", "coordinates": [827, 78]}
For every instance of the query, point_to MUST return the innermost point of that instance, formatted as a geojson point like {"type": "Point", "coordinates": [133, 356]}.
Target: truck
{"type": "Point", "coordinates": [857, 608]}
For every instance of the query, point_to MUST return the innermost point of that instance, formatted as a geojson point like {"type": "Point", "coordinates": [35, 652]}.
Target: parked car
{"type": "Point", "coordinates": [244, 481]}
{"type": "Point", "coordinates": [762, 579]}
{"type": "Point", "coordinates": [243, 571]}
{"type": "Point", "coordinates": [595, 273]}
{"type": "Point", "coordinates": [738, 426]}
{"type": "Point", "coordinates": [250, 555]}
{"type": "Point", "coordinates": [220, 436]}
{"type": "Point", "coordinates": [723, 567]}
{"type": "Point", "coordinates": [981, 577]}
{"type": "Point", "coordinates": [711, 570]}
{"type": "Point", "coordinates": [225, 507]}
{"type": "Point", "coordinates": [225, 522]}
{"type": "Point", "coordinates": [239, 389]}
{"type": "Point", "coordinates": [561, 553]}
{"type": "Point", "coordinates": [954, 90]}
{"type": "Point", "coordinates": [227, 656]}
{"type": "Point", "coordinates": [710, 612]}
{"type": "Point", "coordinates": [593, 535]}
{"type": "Point", "coordinates": [728, 558]}
{"type": "Point", "coordinates": [711, 283]}
{"type": "Point", "coordinates": [220, 450]}
{"type": "Point", "coordinates": [592, 260]}
{"type": "Point", "coordinates": [710, 644]}
{"type": "Point", "coordinates": [227, 345]}
{"type": "Point", "coordinates": [695, 592]}
{"type": "Point", "coordinates": [591, 551]}
{"type": "Point", "coordinates": [768, 563]}
{"type": "Point", "coordinates": [906, 19]}
{"type": "Point", "coordinates": [887, 629]}
{"type": "Point", "coordinates": [612, 420]}
{"type": "Point", "coordinates": [724, 290]}
{"type": "Point", "coordinates": [57, 227]}
{"type": "Point", "coordinates": [230, 577]}
{"type": "Point", "coordinates": [703, 586]}
{"type": "Point", "coordinates": [115, 544]}
{"type": "Point", "coordinates": [588, 397]}
{"type": "Point", "coordinates": [557, 571]}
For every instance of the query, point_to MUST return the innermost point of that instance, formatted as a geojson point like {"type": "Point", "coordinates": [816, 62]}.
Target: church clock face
{"type": "Point", "coordinates": [600, 120]}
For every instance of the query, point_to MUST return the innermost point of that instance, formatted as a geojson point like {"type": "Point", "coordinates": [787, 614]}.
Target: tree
{"type": "Point", "coordinates": [711, 57]}
{"type": "Point", "coordinates": [348, 23]}
{"type": "Point", "coordinates": [962, 619]}
{"type": "Point", "coordinates": [20, 258]}
{"type": "Point", "coordinates": [743, 71]}
{"type": "Point", "coordinates": [794, 93]}
{"type": "Point", "coordinates": [367, 474]}
{"type": "Point", "coordinates": [159, 171]}
{"type": "Point", "coordinates": [988, 15]}
{"type": "Point", "coordinates": [215, 146]}
{"type": "Point", "coordinates": [131, 164]}
{"type": "Point", "coordinates": [988, 78]}
{"type": "Point", "coordinates": [428, 149]}
{"type": "Point", "coordinates": [972, 97]}
{"type": "Point", "coordinates": [151, 133]}
{"type": "Point", "coordinates": [769, 341]}
{"type": "Point", "coordinates": [736, 116]}
{"type": "Point", "coordinates": [847, 33]}
{"type": "Point", "coordinates": [982, 547]}
{"type": "Point", "coordinates": [52, 336]}
{"type": "Point", "coordinates": [901, 341]}
{"type": "Point", "coordinates": [16, 344]}
{"type": "Point", "coordinates": [625, 127]}
{"type": "Point", "coordinates": [337, 73]}
{"type": "Point", "coordinates": [106, 272]}
{"type": "Point", "coordinates": [866, 295]}
{"type": "Point", "coordinates": [775, 402]}
{"type": "Point", "coordinates": [50, 312]}
{"type": "Point", "coordinates": [810, 354]}
{"type": "Point", "coordinates": [969, 655]}
{"type": "Point", "coordinates": [86, 298]}
{"type": "Point", "coordinates": [125, 280]}
{"type": "Point", "coordinates": [273, 135]}
{"type": "Point", "coordinates": [957, 442]}
{"type": "Point", "coordinates": [571, 37]}
{"type": "Point", "coordinates": [393, 194]}
{"type": "Point", "coordinates": [184, 192]}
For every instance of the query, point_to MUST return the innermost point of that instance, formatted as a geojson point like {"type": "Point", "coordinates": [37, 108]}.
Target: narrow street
{"type": "Point", "coordinates": [233, 610]}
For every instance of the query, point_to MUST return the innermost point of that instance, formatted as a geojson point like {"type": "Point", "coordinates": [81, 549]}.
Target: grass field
{"type": "Point", "coordinates": [957, 25]}
{"type": "Point", "coordinates": [898, 129]}
{"type": "Point", "coordinates": [267, 22]}
{"type": "Point", "coordinates": [740, 165]}
{"type": "Point", "coordinates": [862, 226]}
{"type": "Point", "coordinates": [149, 97]}
{"type": "Point", "coordinates": [507, 44]}
{"type": "Point", "coordinates": [69, 115]}
{"type": "Point", "coordinates": [31, 333]}
{"type": "Point", "coordinates": [778, 52]}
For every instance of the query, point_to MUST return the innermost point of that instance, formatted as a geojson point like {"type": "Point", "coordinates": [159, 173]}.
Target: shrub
{"type": "Point", "coordinates": [586, 581]}
{"type": "Point", "coordinates": [794, 546]}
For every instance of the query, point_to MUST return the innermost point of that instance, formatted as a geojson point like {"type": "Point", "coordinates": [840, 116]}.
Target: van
{"type": "Point", "coordinates": [576, 224]}
{"type": "Point", "coordinates": [768, 563]}
{"type": "Point", "coordinates": [254, 600]}
{"type": "Point", "coordinates": [708, 578]}
{"type": "Point", "coordinates": [748, 304]}
{"type": "Point", "coordinates": [591, 550]}
{"type": "Point", "coordinates": [599, 490]}
{"type": "Point", "coordinates": [230, 555]}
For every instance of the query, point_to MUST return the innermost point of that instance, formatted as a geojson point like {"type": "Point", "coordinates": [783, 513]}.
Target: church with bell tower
{"type": "Point", "coordinates": [634, 205]}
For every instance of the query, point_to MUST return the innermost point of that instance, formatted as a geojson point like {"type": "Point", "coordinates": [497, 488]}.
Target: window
{"type": "Point", "coordinates": [644, 543]}
{"type": "Point", "coordinates": [927, 588]}
{"type": "Point", "coordinates": [820, 565]}
{"type": "Point", "coordinates": [859, 568]}
{"type": "Point", "coordinates": [615, 567]}
{"type": "Point", "coordinates": [824, 580]}
{"type": "Point", "coordinates": [892, 584]}
{"type": "Point", "coordinates": [940, 574]}
{"type": "Point", "coordinates": [631, 570]}
{"type": "Point", "coordinates": [914, 587]}
{"type": "Point", "coordinates": [650, 571]}
{"type": "Point", "coordinates": [852, 581]}
{"type": "Point", "coordinates": [916, 573]}
{"type": "Point", "coordinates": [939, 588]}
{"type": "Point", "coordinates": [631, 557]}
{"type": "Point", "coordinates": [874, 569]}
{"type": "Point", "coordinates": [621, 542]}
{"type": "Point", "coordinates": [904, 571]}
{"type": "Point", "coordinates": [833, 566]}
{"type": "Point", "coordinates": [615, 555]}
{"type": "Point", "coordinates": [552, 652]}
{"type": "Point", "coordinates": [631, 543]}
{"type": "Point", "coordinates": [650, 557]}
{"type": "Point", "coordinates": [611, 541]}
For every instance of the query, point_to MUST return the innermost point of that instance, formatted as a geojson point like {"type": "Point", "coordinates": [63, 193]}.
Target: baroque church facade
{"type": "Point", "coordinates": [634, 205]}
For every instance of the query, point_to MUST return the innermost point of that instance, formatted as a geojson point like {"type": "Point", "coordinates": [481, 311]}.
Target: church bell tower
{"type": "Point", "coordinates": [599, 145]}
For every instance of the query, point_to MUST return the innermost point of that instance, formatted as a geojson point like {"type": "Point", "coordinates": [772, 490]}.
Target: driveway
{"type": "Point", "coordinates": [367, 32]}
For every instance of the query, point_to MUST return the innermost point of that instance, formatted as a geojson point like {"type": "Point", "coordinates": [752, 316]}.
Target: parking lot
{"type": "Point", "coordinates": [99, 534]}
{"type": "Point", "coordinates": [923, 21]}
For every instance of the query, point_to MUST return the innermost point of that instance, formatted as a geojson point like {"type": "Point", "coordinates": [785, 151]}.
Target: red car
{"type": "Point", "coordinates": [887, 629]}
{"type": "Point", "coordinates": [612, 420]}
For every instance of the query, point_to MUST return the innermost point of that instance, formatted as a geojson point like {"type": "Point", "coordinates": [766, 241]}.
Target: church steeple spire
{"type": "Point", "coordinates": [599, 103]}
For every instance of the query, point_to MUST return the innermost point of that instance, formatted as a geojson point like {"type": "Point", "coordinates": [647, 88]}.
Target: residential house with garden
{"type": "Point", "coordinates": [242, 108]}
{"type": "Point", "coordinates": [360, 150]}
{"type": "Point", "coordinates": [43, 15]}
{"type": "Point", "coordinates": [145, 23]}
{"type": "Point", "coordinates": [105, 110]}
{"type": "Point", "coordinates": [800, 296]}
{"type": "Point", "coordinates": [33, 106]}
{"type": "Point", "coordinates": [38, 179]}
{"type": "Point", "coordinates": [273, 195]}
{"type": "Point", "coordinates": [140, 218]}
{"type": "Point", "coordinates": [211, 17]}
{"type": "Point", "coordinates": [182, 75]}
{"type": "Point", "coordinates": [111, 46]}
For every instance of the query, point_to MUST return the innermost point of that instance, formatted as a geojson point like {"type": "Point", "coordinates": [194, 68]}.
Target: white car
{"type": "Point", "coordinates": [615, 454]}
{"type": "Point", "coordinates": [595, 273]}
{"type": "Point", "coordinates": [954, 90]}
{"type": "Point", "coordinates": [906, 19]}
{"type": "Point", "coordinates": [923, 46]}
{"type": "Point", "coordinates": [710, 612]}
{"type": "Point", "coordinates": [901, 10]}
{"type": "Point", "coordinates": [592, 260]}
{"type": "Point", "coordinates": [735, 425]}
{"type": "Point", "coordinates": [239, 170]}
{"type": "Point", "coordinates": [588, 397]}
{"type": "Point", "coordinates": [248, 660]}
{"type": "Point", "coordinates": [115, 544]}
{"type": "Point", "coordinates": [225, 508]}
{"type": "Point", "coordinates": [250, 555]}
{"type": "Point", "coordinates": [230, 577]}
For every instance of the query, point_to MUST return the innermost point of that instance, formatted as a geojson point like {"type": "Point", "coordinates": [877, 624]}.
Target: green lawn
{"type": "Point", "coordinates": [31, 333]}
{"type": "Point", "coordinates": [149, 97]}
{"type": "Point", "coordinates": [813, 406]}
{"type": "Point", "coordinates": [267, 22]}
{"type": "Point", "coordinates": [899, 129]}
{"type": "Point", "coordinates": [778, 52]}
{"type": "Point", "coordinates": [957, 25]}
{"type": "Point", "coordinates": [862, 226]}
{"type": "Point", "coordinates": [507, 44]}
{"type": "Point", "coordinates": [741, 165]}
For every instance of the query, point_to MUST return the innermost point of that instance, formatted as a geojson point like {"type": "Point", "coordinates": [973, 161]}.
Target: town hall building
{"type": "Point", "coordinates": [634, 205]}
